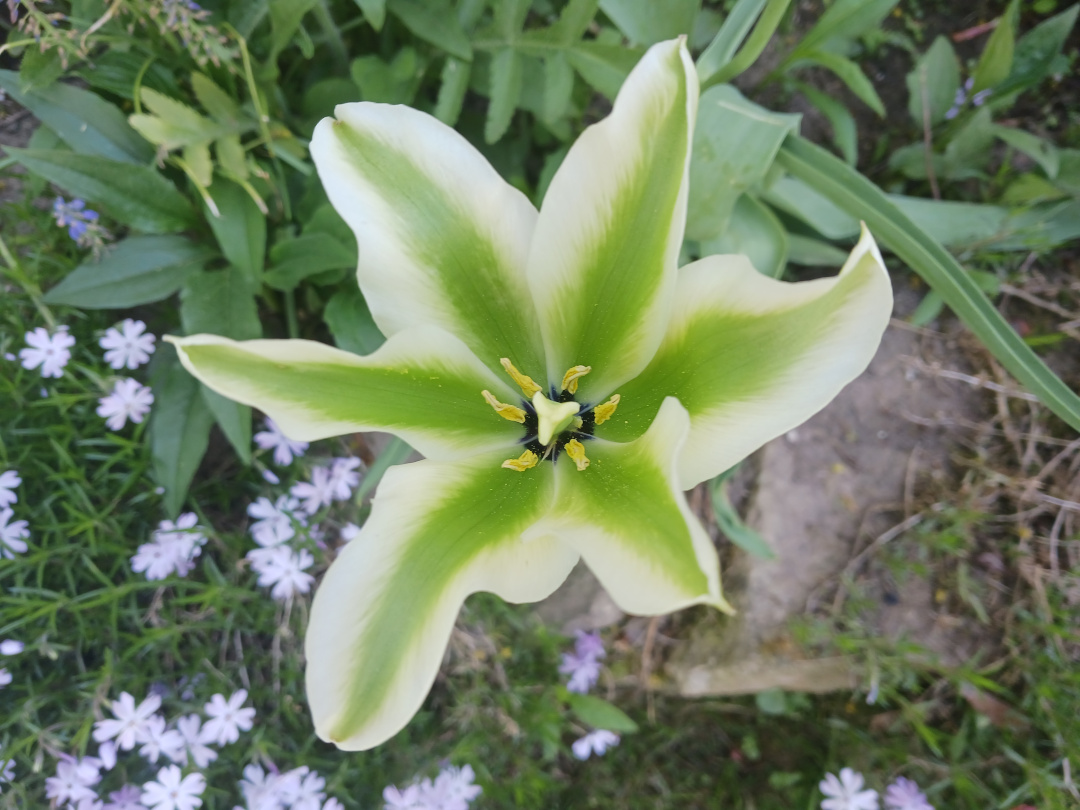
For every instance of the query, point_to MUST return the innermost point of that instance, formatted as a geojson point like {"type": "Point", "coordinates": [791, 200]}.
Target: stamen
{"type": "Point", "coordinates": [528, 385]}
{"type": "Point", "coordinates": [511, 412]}
{"type": "Point", "coordinates": [602, 413]}
{"type": "Point", "coordinates": [570, 378]}
{"type": "Point", "coordinates": [576, 451]}
{"type": "Point", "coordinates": [526, 461]}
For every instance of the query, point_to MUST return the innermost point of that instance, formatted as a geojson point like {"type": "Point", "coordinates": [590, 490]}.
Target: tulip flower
{"type": "Point", "coordinates": [565, 380]}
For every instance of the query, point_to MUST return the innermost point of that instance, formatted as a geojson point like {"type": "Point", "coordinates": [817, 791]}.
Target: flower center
{"type": "Point", "coordinates": [552, 424]}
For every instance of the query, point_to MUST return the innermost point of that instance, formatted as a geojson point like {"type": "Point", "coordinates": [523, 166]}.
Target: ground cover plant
{"type": "Point", "coordinates": [160, 543]}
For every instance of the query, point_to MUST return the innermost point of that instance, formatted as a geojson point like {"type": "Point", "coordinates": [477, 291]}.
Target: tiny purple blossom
{"type": "Point", "coordinates": [128, 797]}
{"type": "Point", "coordinates": [904, 794]}
{"type": "Point", "coordinates": [74, 216]}
{"type": "Point", "coordinates": [129, 347]}
{"type": "Point", "coordinates": [595, 742]}
{"type": "Point", "coordinates": [9, 480]}
{"type": "Point", "coordinates": [13, 534]}
{"type": "Point", "coordinates": [285, 449]}
{"type": "Point", "coordinates": [317, 493]}
{"type": "Point", "coordinates": [50, 352]}
{"type": "Point", "coordinates": [129, 399]}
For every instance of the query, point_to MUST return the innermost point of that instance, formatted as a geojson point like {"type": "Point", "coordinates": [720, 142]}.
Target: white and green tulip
{"type": "Point", "coordinates": [564, 378]}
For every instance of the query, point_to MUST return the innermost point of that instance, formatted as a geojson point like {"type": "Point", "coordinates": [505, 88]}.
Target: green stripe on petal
{"type": "Point", "coordinates": [383, 614]}
{"type": "Point", "coordinates": [603, 264]}
{"type": "Point", "coordinates": [422, 384]}
{"type": "Point", "coordinates": [627, 516]}
{"type": "Point", "coordinates": [443, 239]}
{"type": "Point", "coordinates": [751, 357]}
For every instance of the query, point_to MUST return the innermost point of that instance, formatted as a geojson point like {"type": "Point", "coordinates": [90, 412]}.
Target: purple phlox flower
{"type": "Point", "coordinates": [315, 494]}
{"type": "Point", "coordinates": [270, 477]}
{"type": "Point", "coordinates": [407, 799]}
{"type": "Point", "coordinates": [595, 742]}
{"type": "Point", "coordinates": [129, 399]}
{"type": "Point", "coordinates": [846, 793]}
{"type": "Point", "coordinates": [106, 755]}
{"type": "Point", "coordinates": [50, 352]}
{"type": "Point", "coordinates": [583, 665]}
{"type": "Point", "coordinates": [333, 804]}
{"type": "Point", "coordinates": [274, 520]}
{"type": "Point", "coordinates": [285, 449]}
{"type": "Point", "coordinates": [73, 782]}
{"type": "Point", "coordinates": [309, 791]}
{"type": "Point", "coordinates": [13, 534]}
{"type": "Point", "coordinates": [9, 480]}
{"type": "Point", "coordinates": [226, 718]}
{"type": "Point", "coordinates": [130, 346]}
{"type": "Point", "coordinates": [904, 794]}
{"type": "Point", "coordinates": [128, 797]}
{"type": "Point", "coordinates": [453, 788]}
{"type": "Point", "coordinates": [349, 532]}
{"type": "Point", "coordinates": [343, 478]}
{"type": "Point", "coordinates": [961, 98]}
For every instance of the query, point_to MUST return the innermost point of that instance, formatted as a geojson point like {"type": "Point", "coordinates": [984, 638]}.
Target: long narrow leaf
{"type": "Point", "coordinates": [763, 31]}
{"type": "Point", "coordinates": [852, 192]}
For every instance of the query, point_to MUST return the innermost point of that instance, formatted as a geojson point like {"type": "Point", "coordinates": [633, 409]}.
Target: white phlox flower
{"type": "Point", "coordinates": [13, 534]}
{"type": "Point", "coordinates": [173, 548]}
{"type": "Point", "coordinates": [106, 755]}
{"type": "Point", "coordinates": [343, 478]}
{"type": "Point", "coordinates": [226, 718]}
{"type": "Point", "coordinates": [130, 721]}
{"type": "Point", "coordinates": [285, 449]}
{"type": "Point", "coordinates": [10, 646]}
{"type": "Point", "coordinates": [73, 782]}
{"type": "Point", "coordinates": [904, 794]}
{"type": "Point", "coordinates": [309, 791]}
{"type": "Point", "coordinates": [7, 769]}
{"type": "Point", "coordinates": [317, 493]}
{"type": "Point", "coordinates": [129, 399]}
{"type": "Point", "coordinates": [173, 791]}
{"type": "Point", "coordinates": [286, 577]}
{"type": "Point", "coordinates": [157, 740]}
{"type": "Point", "coordinates": [129, 347]}
{"type": "Point", "coordinates": [595, 742]}
{"type": "Point", "coordinates": [129, 797]}
{"type": "Point", "coordinates": [9, 480]}
{"type": "Point", "coordinates": [50, 352]}
{"type": "Point", "coordinates": [190, 728]}
{"type": "Point", "coordinates": [5, 677]}
{"type": "Point", "coordinates": [348, 532]}
{"type": "Point", "coordinates": [274, 520]}
{"type": "Point", "coordinates": [846, 793]}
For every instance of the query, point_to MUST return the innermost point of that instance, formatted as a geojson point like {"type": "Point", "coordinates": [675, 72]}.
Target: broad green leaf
{"type": "Point", "coordinates": [1041, 227]}
{"type": "Point", "coordinates": [911, 161]}
{"type": "Point", "coordinates": [845, 135]}
{"type": "Point", "coordinates": [850, 74]}
{"type": "Point", "coordinates": [766, 354]}
{"type": "Point", "coordinates": [842, 22]}
{"type": "Point", "coordinates": [350, 322]}
{"type": "Point", "coordinates": [812, 252]}
{"type": "Point", "coordinates": [137, 196]}
{"type": "Point", "coordinates": [116, 72]}
{"type": "Point", "coordinates": [646, 22]}
{"type": "Point", "coordinates": [393, 82]}
{"type": "Point", "coordinates": [374, 12]}
{"type": "Point", "coordinates": [174, 124]}
{"type": "Point", "coordinates": [603, 67]}
{"type": "Point", "coordinates": [137, 270]}
{"type": "Point", "coordinates": [433, 21]}
{"type": "Point", "coordinates": [1041, 151]}
{"type": "Point", "coordinates": [736, 27]}
{"type": "Point", "coordinates": [454, 83]}
{"type": "Point", "coordinates": [505, 93]}
{"type": "Point", "coordinates": [285, 19]}
{"type": "Point", "coordinates": [1037, 50]}
{"type": "Point", "coordinates": [860, 197]}
{"type": "Point", "coordinates": [755, 232]}
{"type": "Point", "coordinates": [558, 86]}
{"type": "Point", "coordinates": [39, 69]}
{"type": "Point", "coordinates": [231, 156]}
{"type": "Point", "coordinates": [954, 224]}
{"type": "Point", "coordinates": [995, 64]}
{"type": "Point", "coordinates": [731, 523]}
{"type": "Point", "coordinates": [968, 151]}
{"type": "Point", "coordinates": [1068, 175]}
{"type": "Point", "coordinates": [240, 229]}
{"type": "Point", "coordinates": [294, 260]}
{"type": "Point", "coordinates": [794, 197]}
{"type": "Point", "coordinates": [86, 122]}
{"type": "Point", "coordinates": [598, 713]}
{"type": "Point", "coordinates": [735, 142]}
{"type": "Point", "coordinates": [180, 423]}
{"type": "Point", "coordinates": [219, 104]}
{"type": "Point", "coordinates": [1030, 188]}
{"type": "Point", "coordinates": [383, 614]}
{"type": "Point", "coordinates": [934, 80]}
{"type": "Point", "coordinates": [197, 158]}
{"type": "Point", "coordinates": [573, 21]}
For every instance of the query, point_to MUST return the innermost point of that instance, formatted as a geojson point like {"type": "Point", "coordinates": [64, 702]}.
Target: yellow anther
{"type": "Point", "coordinates": [570, 378]}
{"type": "Point", "coordinates": [526, 461]}
{"type": "Point", "coordinates": [552, 418]}
{"type": "Point", "coordinates": [602, 413]}
{"type": "Point", "coordinates": [528, 385]}
{"type": "Point", "coordinates": [576, 451]}
{"type": "Point", "coordinates": [511, 412]}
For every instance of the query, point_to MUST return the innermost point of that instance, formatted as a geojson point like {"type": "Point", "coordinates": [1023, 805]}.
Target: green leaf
{"type": "Point", "coordinates": [850, 74]}
{"type": "Point", "coordinates": [505, 93]}
{"type": "Point", "coordinates": [853, 192]}
{"type": "Point", "coordinates": [736, 26]}
{"type": "Point", "coordinates": [842, 22]}
{"type": "Point", "coordinates": [735, 142]}
{"type": "Point", "coordinates": [969, 149]}
{"type": "Point", "coordinates": [231, 156]}
{"type": "Point", "coordinates": [179, 431]}
{"type": "Point", "coordinates": [393, 82]}
{"type": "Point", "coordinates": [452, 89]}
{"type": "Point", "coordinates": [646, 22]}
{"type": "Point", "coordinates": [811, 252]}
{"type": "Point", "coordinates": [219, 104]}
{"type": "Point", "coordinates": [755, 232]}
{"type": "Point", "coordinates": [935, 80]}
{"type": "Point", "coordinates": [803, 202]}
{"type": "Point", "coordinates": [754, 46]}
{"type": "Point", "coordinates": [285, 19]}
{"type": "Point", "coordinates": [995, 64]}
{"type": "Point", "coordinates": [434, 22]}
{"type": "Point", "coordinates": [730, 522]}
{"type": "Point", "coordinates": [197, 158]}
{"type": "Point", "coordinates": [350, 322]}
{"type": "Point", "coordinates": [240, 229]}
{"type": "Point", "coordinates": [137, 270]}
{"type": "Point", "coordinates": [573, 21]}
{"type": "Point", "coordinates": [558, 87]}
{"type": "Point", "coordinates": [603, 67]}
{"type": "Point", "coordinates": [294, 260]}
{"type": "Point", "coordinates": [174, 124]}
{"type": "Point", "coordinates": [954, 224]}
{"type": "Point", "coordinates": [374, 12]}
{"type": "Point", "coordinates": [39, 69]}
{"type": "Point", "coordinates": [83, 120]}
{"type": "Point", "coordinates": [1041, 151]}
{"type": "Point", "coordinates": [134, 195]}
{"type": "Point", "coordinates": [598, 713]}
{"type": "Point", "coordinates": [845, 135]}
{"type": "Point", "coordinates": [1037, 50]}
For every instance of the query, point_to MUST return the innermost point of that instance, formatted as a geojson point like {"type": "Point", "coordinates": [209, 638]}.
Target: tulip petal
{"type": "Point", "coordinates": [751, 357]}
{"type": "Point", "coordinates": [422, 384]}
{"type": "Point", "coordinates": [627, 516]}
{"type": "Point", "coordinates": [383, 614]}
{"type": "Point", "coordinates": [442, 238]}
{"type": "Point", "coordinates": [603, 264]}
